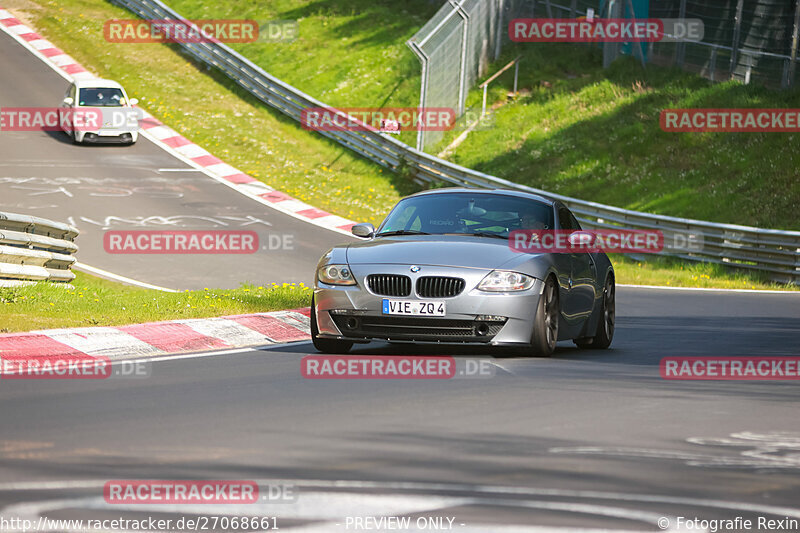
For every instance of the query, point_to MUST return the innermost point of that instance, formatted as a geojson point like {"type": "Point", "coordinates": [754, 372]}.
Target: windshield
{"type": "Point", "coordinates": [103, 97]}
{"type": "Point", "coordinates": [493, 215]}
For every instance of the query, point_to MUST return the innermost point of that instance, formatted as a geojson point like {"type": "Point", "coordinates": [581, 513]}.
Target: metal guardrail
{"type": "Point", "coordinates": [35, 249]}
{"type": "Point", "coordinates": [775, 252]}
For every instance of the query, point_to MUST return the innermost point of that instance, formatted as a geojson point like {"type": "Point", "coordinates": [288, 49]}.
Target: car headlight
{"type": "Point", "coordinates": [505, 281]}
{"type": "Point", "coordinates": [336, 275]}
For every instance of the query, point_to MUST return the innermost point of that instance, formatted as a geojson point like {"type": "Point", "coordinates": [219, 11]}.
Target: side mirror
{"type": "Point", "coordinates": [365, 230]}
{"type": "Point", "coordinates": [581, 239]}
{"type": "Point", "coordinates": [133, 101]}
{"type": "Point", "coordinates": [68, 100]}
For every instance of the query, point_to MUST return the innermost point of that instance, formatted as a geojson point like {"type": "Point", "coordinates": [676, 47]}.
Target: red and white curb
{"type": "Point", "coordinates": [174, 143]}
{"type": "Point", "coordinates": [157, 338]}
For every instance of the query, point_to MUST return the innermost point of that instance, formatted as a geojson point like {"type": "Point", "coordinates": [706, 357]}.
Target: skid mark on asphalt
{"type": "Point", "coordinates": [780, 449]}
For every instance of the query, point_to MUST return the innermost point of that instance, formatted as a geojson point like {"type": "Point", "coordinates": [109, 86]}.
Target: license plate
{"type": "Point", "coordinates": [413, 308]}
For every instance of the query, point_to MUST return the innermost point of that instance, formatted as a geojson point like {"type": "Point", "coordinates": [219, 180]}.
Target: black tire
{"type": "Point", "coordinates": [333, 346]}
{"type": "Point", "coordinates": [545, 323]}
{"type": "Point", "coordinates": [605, 324]}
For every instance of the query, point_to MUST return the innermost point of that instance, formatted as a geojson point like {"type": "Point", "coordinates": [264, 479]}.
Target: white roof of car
{"type": "Point", "coordinates": [97, 84]}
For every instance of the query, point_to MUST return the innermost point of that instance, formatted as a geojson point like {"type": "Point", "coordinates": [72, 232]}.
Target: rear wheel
{"type": "Point", "coordinates": [326, 345]}
{"type": "Point", "coordinates": [605, 325]}
{"type": "Point", "coordinates": [545, 325]}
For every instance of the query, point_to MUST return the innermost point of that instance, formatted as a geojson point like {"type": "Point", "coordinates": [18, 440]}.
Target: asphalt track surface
{"type": "Point", "coordinates": [592, 440]}
{"type": "Point", "coordinates": [141, 187]}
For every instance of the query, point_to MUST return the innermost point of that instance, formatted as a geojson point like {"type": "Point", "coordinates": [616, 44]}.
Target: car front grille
{"type": "Point", "coordinates": [417, 328]}
{"type": "Point", "coordinates": [389, 284]}
{"type": "Point", "coordinates": [439, 287]}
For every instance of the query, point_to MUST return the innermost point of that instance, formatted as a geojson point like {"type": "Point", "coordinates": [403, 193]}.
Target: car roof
{"type": "Point", "coordinates": [97, 84]}
{"type": "Point", "coordinates": [504, 192]}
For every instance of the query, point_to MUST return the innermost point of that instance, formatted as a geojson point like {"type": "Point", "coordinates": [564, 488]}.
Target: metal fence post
{"type": "Point", "coordinates": [462, 70]}
{"type": "Point", "coordinates": [423, 90]}
{"type": "Point", "coordinates": [611, 50]}
{"type": "Point", "coordinates": [737, 27]}
{"type": "Point", "coordinates": [680, 49]}
{"type": "Point", "coordinates": [712, 63]}
{"type": "Point", "coordinates": [500, 29]}
{"type": "Point", "coordinates": [795, 30]}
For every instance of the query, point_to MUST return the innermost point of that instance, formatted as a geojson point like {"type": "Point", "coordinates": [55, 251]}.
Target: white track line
{"type": "Point", "coordinates": [707, 289]}
{"type": "Point", "coordinates": [83, 267]}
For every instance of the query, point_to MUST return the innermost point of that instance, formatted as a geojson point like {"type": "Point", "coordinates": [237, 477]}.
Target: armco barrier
{"type": "Point", "coordinates": [774, 252]}
{"type": "Point", "coordinates": [35, 249]}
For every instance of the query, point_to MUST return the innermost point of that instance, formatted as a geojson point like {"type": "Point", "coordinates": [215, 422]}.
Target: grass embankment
{"type": "Point", "coordinates": [98, 302]}
{"type": "Point", "coordinates": [576, 129]}
{"type": "Point", "coordinates": [349, 53]}
{"type": "Point", "coordinates": [582, 131]}
{"type": "Point", "coordinates": [669, 272]}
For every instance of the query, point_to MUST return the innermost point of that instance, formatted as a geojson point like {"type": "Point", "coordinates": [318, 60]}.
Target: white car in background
{"type": "Point", "coordinates": [120, 120]}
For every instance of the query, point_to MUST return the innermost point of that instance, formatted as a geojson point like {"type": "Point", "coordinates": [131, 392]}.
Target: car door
{"type": "Point", "coordinates": [579, 291]}
{"type": "Point", "coordinates": [584, 273]}
{"type": "Point", "coordinates": [64, 110]}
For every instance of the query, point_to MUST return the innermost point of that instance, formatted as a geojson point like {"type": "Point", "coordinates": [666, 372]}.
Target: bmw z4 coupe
{"type": "Point", "coordinates": [440, 269]}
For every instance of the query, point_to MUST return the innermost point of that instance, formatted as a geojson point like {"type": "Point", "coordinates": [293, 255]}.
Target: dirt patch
{"type": "Point", "coordinates": [25, 10]}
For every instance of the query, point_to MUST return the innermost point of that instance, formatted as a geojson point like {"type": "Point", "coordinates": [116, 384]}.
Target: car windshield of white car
{"type": "Point", "coordinates": [482, 215]}
{"type": "Point", "coordinates": [102, 97]}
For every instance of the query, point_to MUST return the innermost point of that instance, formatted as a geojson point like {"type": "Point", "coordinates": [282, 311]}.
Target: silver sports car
{"type": "Point", "coordinates": [440, 270]}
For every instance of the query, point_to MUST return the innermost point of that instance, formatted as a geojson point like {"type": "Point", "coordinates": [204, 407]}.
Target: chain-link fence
{"type": "Point", "coordinates": [751, 41]}
{"type": "Point", "coordinates": [455, 48]}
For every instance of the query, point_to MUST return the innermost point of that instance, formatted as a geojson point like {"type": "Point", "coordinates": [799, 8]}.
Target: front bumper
{"type": "Point", "coordinates": [107, 136]}
{"type": "Point", "coordinates": [472, 317]}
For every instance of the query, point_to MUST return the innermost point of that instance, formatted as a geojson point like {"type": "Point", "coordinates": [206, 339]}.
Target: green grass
{"type": "Point", "coordinates": [98, 302]}
{"type": "Point", "coordinates": [349, 53]}
{"type": "Point", "coordinates": [579, 130]}
{"type": "Point", "coordinates": [670, 272]}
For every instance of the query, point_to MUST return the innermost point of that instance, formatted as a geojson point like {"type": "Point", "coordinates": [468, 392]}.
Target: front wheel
{"type": "Point", "coordinates": [333, 346]}
{"type": "Point", "coordinates": [605, 324]}
{"type": "Point", "coordinates": [545, 323]}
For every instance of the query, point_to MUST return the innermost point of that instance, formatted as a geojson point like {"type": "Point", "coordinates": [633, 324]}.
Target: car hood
{"type": "Point", "coordinates": [440, 250]}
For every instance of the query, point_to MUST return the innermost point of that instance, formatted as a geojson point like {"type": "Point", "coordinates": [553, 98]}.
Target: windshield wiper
{"type": "Point", "coordinates": [400, 232]}
{"type": "Point", "coordinates": [487, 234]}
